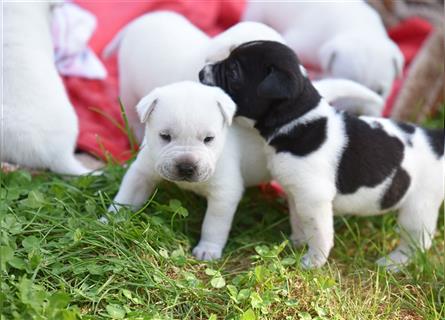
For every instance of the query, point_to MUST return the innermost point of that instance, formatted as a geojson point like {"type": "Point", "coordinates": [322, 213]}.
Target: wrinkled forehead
{"type": "Point", "coordinates": [188, 112]}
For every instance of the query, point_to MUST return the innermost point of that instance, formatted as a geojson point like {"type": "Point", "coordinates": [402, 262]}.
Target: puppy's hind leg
{"type": "Point", "coordinates": [417, 220]}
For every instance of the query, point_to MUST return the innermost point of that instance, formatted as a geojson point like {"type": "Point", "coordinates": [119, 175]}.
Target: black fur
{"type": "Point", "coordinates": [408, 130]}
{"type": "Point", "coordinates": [436, 139]}
{"type": "Point", "coordinates": [370, 156]}
{"type": "Point", "coordinates": [398, 187]}
{"type": "Point", "coordinates": [406, 127]}
{"type": "Point", "coordinates": [302, 139]}
{"type": "Point", "coordinates": [265, 81]}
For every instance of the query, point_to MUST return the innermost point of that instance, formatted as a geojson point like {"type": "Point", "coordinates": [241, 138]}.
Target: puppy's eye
{"type": "Point", "coordinates": [208, 139]}
{"type": "Point", "coordinates": [233, 72]}
{"type": "Point", "coordinates": [165, 137]}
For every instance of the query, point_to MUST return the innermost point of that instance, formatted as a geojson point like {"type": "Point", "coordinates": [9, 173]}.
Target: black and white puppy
{"type": "Point", "coordinates": [331, 162]}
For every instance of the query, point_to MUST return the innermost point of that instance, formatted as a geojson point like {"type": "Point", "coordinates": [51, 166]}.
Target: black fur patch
{"type": "Point", "coordinates": [408, 130]}
{"type": "Point", "coordinates": [436, 138]}
{"type": "Point", "coordinates": [406, 127]}
{"type": "Point", "coordinates": [398, 187]}
{"type": "Point", "coordinates": [370, 156]}
{"type": "Point", "coordinates": [302, 139]}
{"type": "Point", "coordinates": [284, 111]}
{"type": "Point", "coordinates": [264, 79]}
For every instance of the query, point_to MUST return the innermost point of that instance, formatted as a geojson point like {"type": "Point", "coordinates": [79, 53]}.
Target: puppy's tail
{"type": "Point", "coordinates": [356, 98]}
{"type": "Point", "coordinates": [113, 45]}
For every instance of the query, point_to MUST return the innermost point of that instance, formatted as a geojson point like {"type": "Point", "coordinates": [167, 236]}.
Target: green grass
{"type": "Point", "coordinates": [58, 262]}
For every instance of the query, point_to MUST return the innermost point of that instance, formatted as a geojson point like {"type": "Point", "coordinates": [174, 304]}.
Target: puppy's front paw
{"type": "Point", "coordinates": [394, 261]}
{"type": "Point", "coordinates": [113, 208]}
{"type": "Point", "coordinates": [207, 251]}
{"type": "Point", "coordinates": [312, 260]}
{"type": "Point", "coordinates": [103, 220]}
{"type": "Point", "coordinates": [298, 240]}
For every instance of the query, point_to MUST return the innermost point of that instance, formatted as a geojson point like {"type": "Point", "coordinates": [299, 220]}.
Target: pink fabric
{"type": "Point", "coordinates": [95, 101]}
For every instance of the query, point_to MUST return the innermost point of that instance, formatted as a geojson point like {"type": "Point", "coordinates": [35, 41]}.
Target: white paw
{"type": "Point", "coordinates": [114, 208]}
{"type": "Point", "coordinates": [298, 240]}
{"type": "Point", "coordinates": [394, 261]}
{"type": "Point", "coordinates": [312, 260]}
{"type": "Point", "coordinates": [103, 220]}
{"type": "Point", "coordinates": [207, 251]}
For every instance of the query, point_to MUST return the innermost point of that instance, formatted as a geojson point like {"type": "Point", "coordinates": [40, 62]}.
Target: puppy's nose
{"type": "Point", "coordinates": [186, 169]}
{"type": "Point", "coordinates": [201, 75]}
{"type": "Point", "coordinates": [206, 75]}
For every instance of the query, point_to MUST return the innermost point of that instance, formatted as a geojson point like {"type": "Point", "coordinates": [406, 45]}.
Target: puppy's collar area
{"type": "Point", "coordinates": [312, 116]}
{"type": "Point", "coordinates": [282, 112]}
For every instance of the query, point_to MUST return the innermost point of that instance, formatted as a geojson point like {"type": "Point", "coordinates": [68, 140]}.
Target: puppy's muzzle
{"type": "Point", "coordinates": [186, 170]}
{"type": "Point", "coordinates": [185, 164]}
{"type": "Point", "coordinates": [206, 75]}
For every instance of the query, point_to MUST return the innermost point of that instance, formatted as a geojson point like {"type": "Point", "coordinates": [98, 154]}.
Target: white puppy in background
{"type": "Point", "coordinates": [39, 126]}
{"type": "Point", "coordinates": [164, 47]}
{"type": "Point", "coordinates": [346, 39]}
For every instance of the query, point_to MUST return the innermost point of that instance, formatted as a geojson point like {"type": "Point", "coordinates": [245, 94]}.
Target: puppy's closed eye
{"type": "Point", "coordinates": [233, 73]}
{"type": "Point", "coordinates": [208, 139]}
{"type": "Point", "coordinates": [165, 137]}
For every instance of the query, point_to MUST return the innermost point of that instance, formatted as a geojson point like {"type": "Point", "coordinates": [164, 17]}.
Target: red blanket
{"type": "Point", "coordinates": [96, 102]}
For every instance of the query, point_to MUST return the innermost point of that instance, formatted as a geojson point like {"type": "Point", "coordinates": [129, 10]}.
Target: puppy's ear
{"type": "Point", "coordinates": [277, 85]}
{"type": "Point", "coordinates": [398, 61]}
{"type": "Point", "coordinates": [226, 106]}
{"type": "Point", "coordinates": [146, 105]}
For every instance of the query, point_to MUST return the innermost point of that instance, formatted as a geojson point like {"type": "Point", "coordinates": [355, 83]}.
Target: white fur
{"type": "Point", "coordinates": [163, 47]}
{"type": "Point", "coordinates": [39, 126]}
{"type": "Point", "coordinates": [310, 183]}
{"type": "Point", "coordinates": [345, 39]}
{"type": "Point", "coordinates": [240, 164]}
{"type": "Point", "coordinates": [184, 110]}
{"type": "Point", "coordinates": [220, 46]}
{"type": "Point", "coordinates": [361, 101]}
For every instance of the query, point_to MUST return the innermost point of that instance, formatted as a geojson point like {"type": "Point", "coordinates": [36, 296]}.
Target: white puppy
{"type": "Point", "coordinates": [163, 47]}
{"type": "Point", "coordinates": [346, 39]}
{"type": "Point", "coordinates": [39, 126]}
